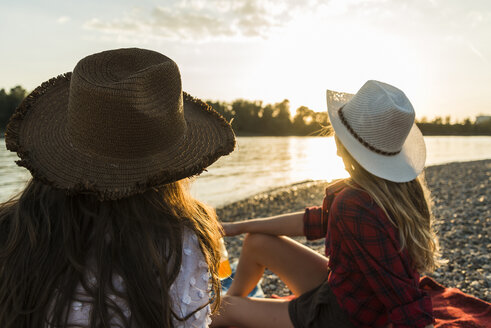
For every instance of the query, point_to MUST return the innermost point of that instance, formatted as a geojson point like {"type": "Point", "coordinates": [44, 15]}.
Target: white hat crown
{"type": "Point", "coordinates": [380, 116]}
{"type": "Point", "coordinates": [376, 126]}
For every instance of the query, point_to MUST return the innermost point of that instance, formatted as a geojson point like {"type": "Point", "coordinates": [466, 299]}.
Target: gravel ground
{"type": "Point", "coordinates": [461, 195]}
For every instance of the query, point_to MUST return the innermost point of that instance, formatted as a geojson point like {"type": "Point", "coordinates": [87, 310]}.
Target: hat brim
{"type": "Point", "coordinates": [37, 132]}
{"type": "Point", "coordinates": [403, 167]}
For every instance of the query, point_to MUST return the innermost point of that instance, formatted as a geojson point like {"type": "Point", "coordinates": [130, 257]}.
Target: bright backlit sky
{"type": "Point", "coordinates": [437, 51]}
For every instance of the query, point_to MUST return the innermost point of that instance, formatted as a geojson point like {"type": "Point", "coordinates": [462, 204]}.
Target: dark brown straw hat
{"type": "Point", "coordinates": [117, 126]}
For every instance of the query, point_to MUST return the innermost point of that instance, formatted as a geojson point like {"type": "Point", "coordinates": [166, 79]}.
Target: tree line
{"type": "Point", "coordinates": [257, 118]}
{"type": "Point", "coordinates": [8, 103]}
{"type": "Point", "coordinates": [443, 127]}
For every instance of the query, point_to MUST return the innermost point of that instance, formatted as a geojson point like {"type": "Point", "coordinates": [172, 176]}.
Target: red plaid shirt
{"type": "Point", "coordinates": [373, 281]}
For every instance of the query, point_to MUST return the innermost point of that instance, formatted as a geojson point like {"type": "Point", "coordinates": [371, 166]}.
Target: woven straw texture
{"type": "Point", "coordinates": [381, 115]}
{"type": "Point", "coordinates": [119, 125]}
{"type": "Point", "coordinates": [376, 125]}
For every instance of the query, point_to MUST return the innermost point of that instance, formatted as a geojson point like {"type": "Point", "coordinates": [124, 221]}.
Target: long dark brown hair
{"type": "Point", "coordinates": [47, 238]}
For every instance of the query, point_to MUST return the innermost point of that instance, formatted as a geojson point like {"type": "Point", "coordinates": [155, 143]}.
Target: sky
{"type": "Point", "coordinates": [437, 51]}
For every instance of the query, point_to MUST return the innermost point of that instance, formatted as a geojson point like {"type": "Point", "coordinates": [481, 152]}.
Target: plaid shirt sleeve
{"type": "Point", "coordinates": [374, 247]}
{"type": "Point", "coordinates": [314, 223]}
{"type": "Point", "coordinates": [315, 217]}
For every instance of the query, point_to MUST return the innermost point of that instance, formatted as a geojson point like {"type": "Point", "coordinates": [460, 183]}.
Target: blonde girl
{"type": "Point", "coordinates": [377, 227]}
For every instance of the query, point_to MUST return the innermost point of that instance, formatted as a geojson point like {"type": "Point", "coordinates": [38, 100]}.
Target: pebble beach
{"type": "Point", "coordinates": [461, 195]}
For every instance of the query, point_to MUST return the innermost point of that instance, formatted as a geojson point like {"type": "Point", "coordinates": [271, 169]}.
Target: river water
{"type": "Point", "coordinates": [263, 163]}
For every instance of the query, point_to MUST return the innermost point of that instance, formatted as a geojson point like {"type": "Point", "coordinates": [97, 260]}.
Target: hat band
{"type": "Point", "coordinates": [361, 140]}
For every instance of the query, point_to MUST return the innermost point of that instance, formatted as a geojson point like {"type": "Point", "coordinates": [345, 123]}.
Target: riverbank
{"type": "Point", "coordinates": [461, 194]}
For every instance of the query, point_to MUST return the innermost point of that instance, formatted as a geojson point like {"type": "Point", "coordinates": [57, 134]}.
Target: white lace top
{"type": "Point", "coordinates": [189, 291]}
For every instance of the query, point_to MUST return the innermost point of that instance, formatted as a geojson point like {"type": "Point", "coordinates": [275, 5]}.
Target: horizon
{"type": "Point", "coordinates": [271, 50]}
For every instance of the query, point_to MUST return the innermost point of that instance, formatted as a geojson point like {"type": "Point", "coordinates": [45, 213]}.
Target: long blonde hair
{"type": "Point", "coordinates": [407, 205]}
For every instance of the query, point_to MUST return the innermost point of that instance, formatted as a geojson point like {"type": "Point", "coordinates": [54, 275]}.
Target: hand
{"type": "Point", "coordinates": [231, 228]}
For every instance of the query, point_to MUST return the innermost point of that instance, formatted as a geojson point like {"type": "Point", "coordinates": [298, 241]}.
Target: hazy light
{"type": "Point", "coordinates": [315, 159]}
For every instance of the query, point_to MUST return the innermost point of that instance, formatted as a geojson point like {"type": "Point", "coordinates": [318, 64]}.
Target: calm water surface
{"type": "Point", "coordinates": [262, 163]}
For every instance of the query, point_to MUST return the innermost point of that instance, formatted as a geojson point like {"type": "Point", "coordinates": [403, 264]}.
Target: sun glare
{"type": "Point", "coordinates": [315, 159]}
{"type": "Point", "coordinates": [311, 55]}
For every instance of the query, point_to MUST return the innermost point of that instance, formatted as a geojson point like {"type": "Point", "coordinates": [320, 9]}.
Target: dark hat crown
{"type": "Point", "coordinates": [125, 103]}
{"type": "Point", "coordinates": [119, 125]}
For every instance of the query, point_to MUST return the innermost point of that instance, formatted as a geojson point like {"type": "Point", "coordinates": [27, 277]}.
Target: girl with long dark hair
{"type": "Point", "coordinates": [106, 233]}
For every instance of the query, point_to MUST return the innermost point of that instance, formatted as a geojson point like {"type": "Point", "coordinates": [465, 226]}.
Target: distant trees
{"type": "Point", "coordinates": [256, 118]}
{"type": "Point", "coordinates": [9, 102]}
{"type": "Point", "coordinates": [442, 127]}
{"type": "Point", "coordinates": [308, 122]}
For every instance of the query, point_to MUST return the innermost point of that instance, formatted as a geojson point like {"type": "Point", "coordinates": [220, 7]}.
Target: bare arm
{"type": "Point", "coordinates": [290, 224]}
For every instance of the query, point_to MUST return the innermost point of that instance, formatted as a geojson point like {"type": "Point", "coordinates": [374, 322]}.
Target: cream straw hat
{"type": "Point", "coordinates": [376, 126]}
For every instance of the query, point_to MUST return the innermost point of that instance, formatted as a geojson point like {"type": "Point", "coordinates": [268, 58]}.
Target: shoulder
{"type": "Point", "coordinates": [191, 251]}
{"type": "Point", "coordinates": [193, 264]}
{"type": "Point", "coordinates": [189, 291]}
{"type": "Point", "coordinates": [354, 208]}
{"type": "Point", "coordinates": [352, 197]}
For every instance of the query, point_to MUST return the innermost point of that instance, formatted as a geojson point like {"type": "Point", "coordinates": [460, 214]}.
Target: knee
{"type": "Point", "coordinates": [257, 241]}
